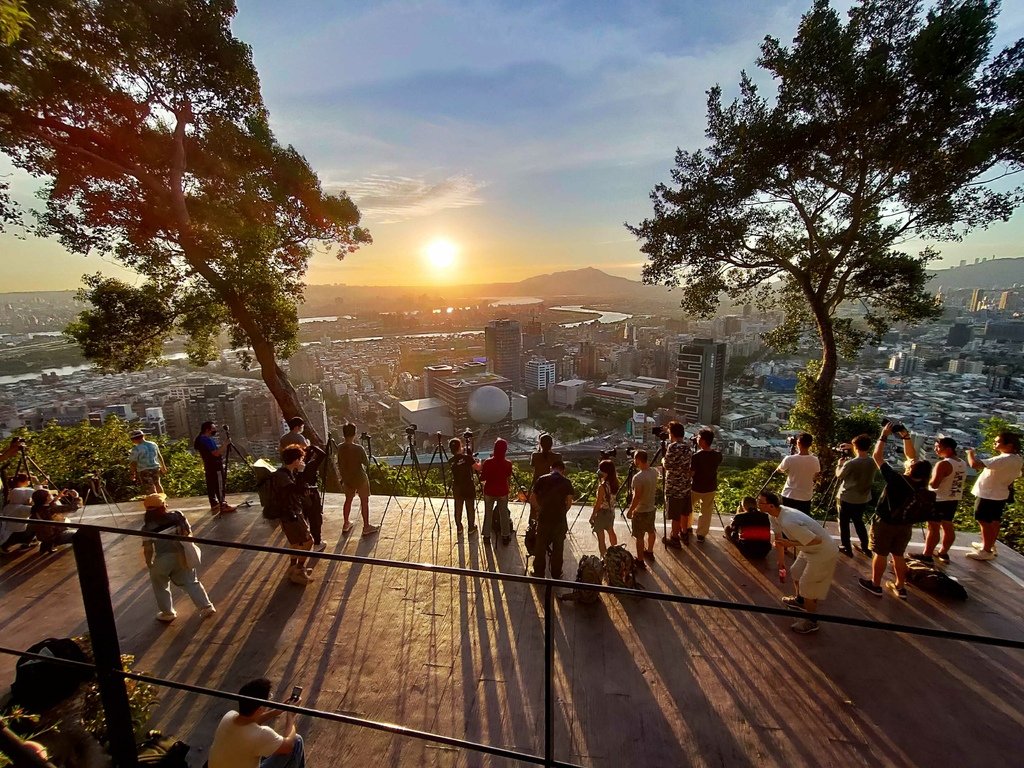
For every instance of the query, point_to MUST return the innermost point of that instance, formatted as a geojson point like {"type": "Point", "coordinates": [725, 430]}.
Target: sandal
{"type": "Point", "coordinates": [347, 529]}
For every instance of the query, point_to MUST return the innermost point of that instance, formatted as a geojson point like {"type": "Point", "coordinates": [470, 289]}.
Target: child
{"type": "Point", "coordinates": [603, 518]}
{"type": "Point", "coordinates": [463, 484]}
{"type": "Point", "coordinates": [353, 465]}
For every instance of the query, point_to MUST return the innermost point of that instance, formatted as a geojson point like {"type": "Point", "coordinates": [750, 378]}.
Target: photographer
{"type": "Point", "coordinates": [992, 490]}
{"type": "Point", "coordinates": [285, 503]}
{"type": "Point", "coordinates": [855, 473]}
{"type": "Point", "coordinates": [676, 466]}
{"type": "Point", "coordinates": [52, 506]}
{"type": "Point", "coordinates": [353, 466]}
{"type": "Point", "coordinates": [243, 737]}
{"type": "Point", "coordinates": [705, 463]}
{"type": "Point", "coordinates": [801, 469]}
{"type": "Point", "coordinates": [889, 535]}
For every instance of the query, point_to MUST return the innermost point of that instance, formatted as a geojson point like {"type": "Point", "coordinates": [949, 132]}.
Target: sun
{"type": "Point", "coordinates": [441, 253]}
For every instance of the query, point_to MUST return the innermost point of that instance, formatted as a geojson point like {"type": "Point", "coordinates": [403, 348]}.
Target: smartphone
{"type": "Point", "coordinates": [296, 693]}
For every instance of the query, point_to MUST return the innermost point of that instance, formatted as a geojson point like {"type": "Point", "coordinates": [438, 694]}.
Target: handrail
{"type": "Point", "coordinates": [703, 602]}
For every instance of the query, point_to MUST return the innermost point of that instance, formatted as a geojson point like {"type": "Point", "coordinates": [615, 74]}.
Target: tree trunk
{"type": "Point", "coordinates": [821, 412]}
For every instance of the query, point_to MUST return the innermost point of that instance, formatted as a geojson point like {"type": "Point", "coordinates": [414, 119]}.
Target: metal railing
{"type": "Point", "coordinates": [95, 588]}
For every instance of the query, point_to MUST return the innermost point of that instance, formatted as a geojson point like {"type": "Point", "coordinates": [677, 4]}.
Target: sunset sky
{"type": "Point", "coordinates": [490, 141]}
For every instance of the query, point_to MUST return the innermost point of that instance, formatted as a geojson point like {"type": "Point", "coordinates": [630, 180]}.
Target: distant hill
{"type": "Point", "coordinates": [994, 273]}
{"type": "Point", "coordinates": [582, 282]}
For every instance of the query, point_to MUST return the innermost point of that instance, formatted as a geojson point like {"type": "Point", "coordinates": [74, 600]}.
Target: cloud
{"type": "Point", "coordinates": [392, 199]}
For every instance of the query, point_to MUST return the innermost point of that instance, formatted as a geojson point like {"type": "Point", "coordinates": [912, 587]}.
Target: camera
{"type": "Point", "coordinates": [896, 427]}
{"type": "Point", "coordinates": [630, 452]}
{"type": "Point", "coordinates": [608, 454]}
{"type": "Point", "coordinates": [660, 432]}
{"type": "Point", "coordinates": [468, 434]}
{"type": "Point", "coordinates": [411, 430]}
{"type": "Point", "coordinates": [364, 436]}
{"type": "Point", "coordinates": [843, 449]}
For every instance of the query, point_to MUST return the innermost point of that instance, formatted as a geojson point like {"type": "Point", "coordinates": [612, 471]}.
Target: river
{"type": "Point", "coordinates": [604, 316]}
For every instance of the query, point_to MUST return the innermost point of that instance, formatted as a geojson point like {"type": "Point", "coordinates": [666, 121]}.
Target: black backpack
{"type": "Point", "coordinates": [39, 685]}
{"type": "Point", "coordinates": [919, 508]}
{"type": "Point", "coordinates": [163, 751]}
{"type": "Point", "coordinates": [929, 579]}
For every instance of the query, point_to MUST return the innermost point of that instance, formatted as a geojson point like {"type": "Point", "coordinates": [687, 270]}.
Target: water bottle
{"type": "Point", "coordinates": [782, 574]}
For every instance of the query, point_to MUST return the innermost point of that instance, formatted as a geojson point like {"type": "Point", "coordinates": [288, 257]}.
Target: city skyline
{"type": "Point", "coordinates": [487, 142]}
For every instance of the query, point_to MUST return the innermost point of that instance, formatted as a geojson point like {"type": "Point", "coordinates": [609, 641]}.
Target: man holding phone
{"type": "Point", "coordinates": [243, 740]}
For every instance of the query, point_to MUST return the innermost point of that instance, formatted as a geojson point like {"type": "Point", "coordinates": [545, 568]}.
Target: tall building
{"type": "Point", "coordinates": [533, 334]}
{"type": "Point", "coordinates": [1009, 301]}
{"type": "Point", "coordinates": [700, 380]}
{"type": "Point", "coordinates": [959, 335]}
{"type": "Point", "coordinates": [454, 392]}
{"type": "Point", "coordinates": [977, 295]}
{"type": "Point", "coordinates": [586, 366]}
{"type": "Point", "coordinates": [304, 368]}
{"type": "Point", "coordinates": [431, 373]}
{"type": "Point", "coordinates": [503, 345]}
{"type": "Point", "coordinates": [540, 374]}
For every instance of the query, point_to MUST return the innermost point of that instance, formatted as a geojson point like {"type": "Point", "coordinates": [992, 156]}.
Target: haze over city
{"type": "Point", "coordinates": [488, 141]}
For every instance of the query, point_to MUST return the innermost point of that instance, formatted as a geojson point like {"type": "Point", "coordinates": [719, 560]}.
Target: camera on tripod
{"type": "Point", "coordinates": [609, 454]}
{"type": "Point", "coordinates": [660, 433]}
{"type": "Point", "coordinates": [411, 430]}
{"type": "Point", "coordinates": [365, 436]}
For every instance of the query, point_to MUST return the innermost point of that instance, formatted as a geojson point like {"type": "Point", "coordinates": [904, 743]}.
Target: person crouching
{"type": "Point", "coordinates": [287, 491]}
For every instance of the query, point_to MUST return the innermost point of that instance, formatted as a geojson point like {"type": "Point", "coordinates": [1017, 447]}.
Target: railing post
{"type": "Point", "coordinates": [99, 613]}
{"type": "Point", "coordinates": [549, 692]}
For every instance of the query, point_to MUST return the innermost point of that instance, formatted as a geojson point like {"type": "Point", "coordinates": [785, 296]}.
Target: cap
{"type": "Point", "coordinates": [137, 433]}
{"type": "Point", "coordinates": [154, 500]}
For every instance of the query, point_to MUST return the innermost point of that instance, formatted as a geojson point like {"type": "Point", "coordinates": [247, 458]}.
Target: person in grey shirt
{"type": "Point", "coordinates": [294, 435]}
{"type": "Point", "coordinates": [855, 477]}
{"type": "Point", "coordinates": [642, 509]}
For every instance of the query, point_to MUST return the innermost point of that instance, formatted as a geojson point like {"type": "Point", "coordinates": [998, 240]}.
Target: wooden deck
{"type": "Point", "coordinates": [638, 683]}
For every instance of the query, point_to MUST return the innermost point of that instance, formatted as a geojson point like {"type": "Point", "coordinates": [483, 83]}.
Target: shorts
{"type": "Point", "coordinates": [362, 488]}
{"type": "Point", "coordinates": [643, 522]}
{"type": "Point", "coordinates": [889, 539]}
{"type": "Point", "coordinates": [943, 511]}
{"type": "Point", "coordinates": [989, 510]}
{"type": "Point", "coordinates": [677, 507]}
{"type": "Point", "coordinates": [296, 531]}
{"type": "Point", "coordinates": [604, 520]}
{"type": "Point", "coordinates": [814, 571]}
{"type": "Point", "coordinates": [797, 504]}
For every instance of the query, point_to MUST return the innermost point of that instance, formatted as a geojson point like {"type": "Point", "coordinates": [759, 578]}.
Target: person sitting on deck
{"type": "Point", "coordinates": [750, 529]}
{"type": "Point", "coordinates": [243, 740]}
{"type": "Point", "coordinates": [19, 504]}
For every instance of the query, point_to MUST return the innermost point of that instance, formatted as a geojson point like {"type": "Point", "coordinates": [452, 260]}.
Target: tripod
{"type": "Point", "coordinates": [409, 454]}
{"type": "Point", "coordinates": [442, 455]}
{"type": "Point", "coordinates": [230, 447]}
{"type": "Point", "coordinates": [97, 491]}
{"type": "Point", "coordinates": [27, 465]}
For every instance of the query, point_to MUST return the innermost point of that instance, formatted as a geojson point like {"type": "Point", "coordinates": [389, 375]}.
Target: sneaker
{"type": "Point", "coordinates": [981, 554]}
{"type": "Point", "coordinates": [215, 510]}
{"type": "Point", "coordinates": [922, 558]}
{"type": "Point", "coordinates": [166, 616]}
{"type": "Point", "coordinates": [298, 575]}
{"type": "Point", "coordinates": [981, 548]}
{"type": "Point", "coordinates": [900, 592]}
{"type": "Point", "coordinates": [649, 554]}
{"type": "Point", "coordinates": [671, 543]}
{"type": "Point", "coordinates": [866, 551]}
{"type": "Point", "coordinates": [458, 529]}
{"type": "Point", "coordinates": [846, 551]}
{"type": "Point", "coordinates": [346, 529]}
{"type": "Point", "coordinates": [942, 557]}
{"type": "Point", "coordinates": [472, 529]}
{"type": "Point", "coordinates": [207, 612]}
{"type": "Point", "coordinates": [870, 586]}
{"type": "Point", "coordinates": [686, 536]}
{"type": "Point", "coordinates": [369, 530]}
{"type": "Point", "coordinates": [320, 546]}
{"type": "Point", "coordinates": [640, 565]}
{"type": "Point", "coordinates": [700, 539]}
{"type": "Point", "coordinates": [225, 508]}
{"type": "Point", "coordinates": [804, 626]}
{"type": "Point", "coordinates": [794, 602]}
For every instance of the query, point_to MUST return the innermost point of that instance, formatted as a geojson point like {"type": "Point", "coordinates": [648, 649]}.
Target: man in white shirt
{"type": "Point", "coordinates": [816, 558]}
{"type": "Point", "coordinates": [992, 489]}
{"type": "Point", "coordinates": [243, 740]}
{"type": "Point", "coordinates": [801, 469]}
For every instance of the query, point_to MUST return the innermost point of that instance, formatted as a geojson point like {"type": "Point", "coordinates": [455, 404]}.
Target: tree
{"type": "Point", "coordinates": [885, 128]}
{"type": "Point", "coordinates": [13, 18]}
{"type": "Point", "coordinates": [147, 123]}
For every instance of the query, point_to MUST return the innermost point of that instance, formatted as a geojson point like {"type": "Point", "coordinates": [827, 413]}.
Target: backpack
{"type": "Point", "coordinates": [39, 685]}
{"type": "Point", "coordinates": [590, 571]}
{"type": "Point", "coordinates": [929, 579]}
{"type": "Point", "coordinates": [163, 751]}
{"type": "Point", "coordinates": [620, 566]}
{"type": "Point", "coordinates": [919, 508]}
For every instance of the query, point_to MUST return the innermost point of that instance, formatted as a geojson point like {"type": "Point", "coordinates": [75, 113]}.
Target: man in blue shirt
{"type": "Point", "coordinates": [147, 464]}
{"type": "Point", "coordinates": [213, 463]}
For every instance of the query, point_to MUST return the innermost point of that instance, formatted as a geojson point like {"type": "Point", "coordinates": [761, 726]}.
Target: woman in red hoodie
{"type": "Point", "coordinates": [495, 474]}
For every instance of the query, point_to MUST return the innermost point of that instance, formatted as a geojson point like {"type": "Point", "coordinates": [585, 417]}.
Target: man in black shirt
{"type": "Point", "coordinates": [750, 530]}
{"type": "Point", "coordinates": [286, 503]}
{"type": "Point", "coordinates": [704, 464]}
{"type": "Point", "coordinates": [553, 497]}
{"type": "Point", "coordinates": [463, 468]}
